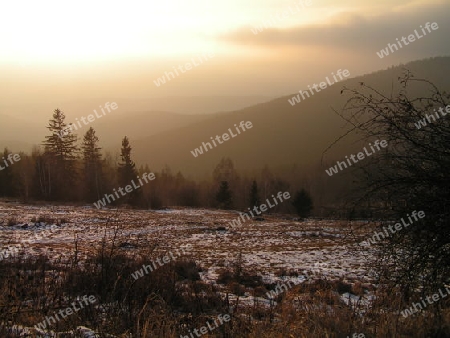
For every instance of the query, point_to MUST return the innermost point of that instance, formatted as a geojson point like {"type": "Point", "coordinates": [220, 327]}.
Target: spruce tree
{"type": "Point", "coordinates": [303, 203]}
{"type": "Point", "coordinates": [127, 172]}
{"type": "Point", "coordinates": [6, 176]}
{"type": "Point", "coordinates": [254, 195]}
{"type": "Point", "coordinates": [93, 176]}
{"type": "Point", "coordinates": [223, 196]}
{"type": "Point", "coordinates": [60, 153]}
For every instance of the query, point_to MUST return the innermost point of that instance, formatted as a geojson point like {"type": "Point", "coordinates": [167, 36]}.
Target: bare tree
{"type": "Point", "coordinates": [411, 175]}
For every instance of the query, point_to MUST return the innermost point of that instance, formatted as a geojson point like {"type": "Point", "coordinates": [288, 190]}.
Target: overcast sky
{"type": "Point", "coordinates": [66, 50]}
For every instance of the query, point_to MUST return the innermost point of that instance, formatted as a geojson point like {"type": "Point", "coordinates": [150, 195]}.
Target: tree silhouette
{"type": "Point", "coordinates": [254, 195]}
{"type": "Point", "coordinates": [127, 168]}
{"type": "Point", "coordinates": [223, 197]}
{"type": "Point", "coordinates": [6, 176]}
{"type": "Point", "coordinates": [93, 176]}
{"type": "Point", "coordinates": [412, 174]}
{"type": "Point", "coordinates": [127, 172]}
{"type": "Point", "coordinates": [303, 203]}
{"type": "Point", "coordinates": [60, 156]}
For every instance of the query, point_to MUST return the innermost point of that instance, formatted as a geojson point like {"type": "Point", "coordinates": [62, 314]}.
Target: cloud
{"type": "Point", "coordinates": [358, 32]}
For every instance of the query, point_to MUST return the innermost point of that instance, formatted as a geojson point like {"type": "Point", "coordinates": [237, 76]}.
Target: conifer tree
{"type": "Point", "coordinates": [6, 176]}
{"type": "Point", "coordinates": [303, 203]}
{"type": "Point", "coordinates": [127, 172]}
{"type": "Point", "coordinates": [223, 197]}
{"type": "Point", "coordinates": [127, 168]}
{"type": "Point", "coordinates": [93, 176]}
{"type": "Point", "coordinates": [60, 154]}
{"type": "Point", "coordinates": [254, 195]}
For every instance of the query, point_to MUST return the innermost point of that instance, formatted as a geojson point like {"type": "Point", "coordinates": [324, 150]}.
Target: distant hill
{"type": "Point", "coordinates": [18, 134]}
{"type": "Point", "coordinates": [282, 134]}
{"type": "Point", "coordinates": [139, 125]}
{"type": "Point", "coordinates": [136, 118]}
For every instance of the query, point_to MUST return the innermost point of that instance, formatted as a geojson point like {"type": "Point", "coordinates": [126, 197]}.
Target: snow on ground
{"type": "Point", "coordinates": [323, 249]}
{"type": "Point", "coordinates": [276, 248]}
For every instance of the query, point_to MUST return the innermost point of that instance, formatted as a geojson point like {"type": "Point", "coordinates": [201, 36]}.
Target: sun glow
{"type": "Point", "coordinates": [54, 30]}
{"type": "Point", "coordinates": [51, 31]}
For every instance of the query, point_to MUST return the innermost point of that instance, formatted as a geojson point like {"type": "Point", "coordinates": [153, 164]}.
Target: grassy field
{"type": "Point", "coordinates": [322, 280]}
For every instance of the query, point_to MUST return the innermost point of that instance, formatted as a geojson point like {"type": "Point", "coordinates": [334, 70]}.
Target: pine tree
{"type": "Point", "coordinates": [60, 154]}
{"type": "Point", "coordinates": [225, 171]}
{"type": "Point", "coordinates": [303, 203]}
{"type": "Point", "coordinates": [127, 172]}
{"type": "Point", "coordinates": [93, 176]}
{"type": "Point", "coordinates": [6, 176]}
{"type": "Point", "coordinates": [127, 168]}
{"type": "Point", "coordinates": [223, 196]}
{"type": "Point", "coordinates": [254, 195]}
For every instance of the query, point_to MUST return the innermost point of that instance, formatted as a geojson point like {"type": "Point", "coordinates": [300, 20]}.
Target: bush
{"type": "Point", "coordinates": [187, 269]}
{"type": "Point", "coordinates": [342, 287]}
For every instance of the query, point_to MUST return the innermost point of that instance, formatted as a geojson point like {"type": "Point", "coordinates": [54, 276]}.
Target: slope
{"type": "Point", "coordinates": [282, 134]}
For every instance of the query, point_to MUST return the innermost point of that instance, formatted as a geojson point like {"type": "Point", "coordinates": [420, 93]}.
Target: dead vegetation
{"type": "Point", "coordinates": [172, 299]}
{"type": "Point", "coordinates": [176, 298]}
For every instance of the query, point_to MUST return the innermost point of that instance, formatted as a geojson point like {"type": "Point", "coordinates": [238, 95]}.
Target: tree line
{"type": "Point", "coordinates": [61, 170]}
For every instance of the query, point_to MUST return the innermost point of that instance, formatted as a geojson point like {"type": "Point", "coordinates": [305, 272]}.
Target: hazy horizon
{"type": "Point", "coordinates": [70, 57]}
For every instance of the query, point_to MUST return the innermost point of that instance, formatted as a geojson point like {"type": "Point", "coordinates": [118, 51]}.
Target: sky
{"type": "Point", "coordinates": [53, 52]}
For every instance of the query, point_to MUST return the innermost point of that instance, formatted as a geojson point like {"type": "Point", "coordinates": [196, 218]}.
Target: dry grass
{"type": "Point", "coordinates": [173, 299]}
